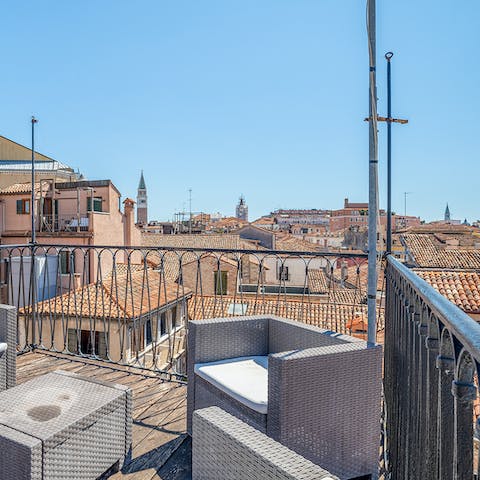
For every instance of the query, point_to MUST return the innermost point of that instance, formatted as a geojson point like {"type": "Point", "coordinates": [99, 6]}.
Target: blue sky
{"type": "Point", "coordinates": [264, 98]}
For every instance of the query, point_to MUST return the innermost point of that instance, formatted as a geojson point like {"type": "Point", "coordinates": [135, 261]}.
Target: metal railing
{"type": "Point", "coordinates": [432, 353]}
{"type": "Point", "coordinates": [64, 223]}
{"type": "Point", "coordinates": [130, 305]}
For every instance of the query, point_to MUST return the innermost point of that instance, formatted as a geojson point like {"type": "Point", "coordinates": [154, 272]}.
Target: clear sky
{"type": "Point", "coordinates": [264, 98]}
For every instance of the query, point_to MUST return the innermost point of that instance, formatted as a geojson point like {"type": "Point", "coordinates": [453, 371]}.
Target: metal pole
{"type": "Point", "coordinates": [190, 213]}
{"type": "Point", "coordinates": [373, 178]}
{"type": "Point", "coordinates": [33, 283]}
{"type": "Point", "coordinates": [389, 56]}
{"type": "Point", "coordinates": [32, 206]}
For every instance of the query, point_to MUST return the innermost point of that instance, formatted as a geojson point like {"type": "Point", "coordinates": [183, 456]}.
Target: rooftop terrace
{"type": "Point", "coordinates": [160, 448]}
{"type": "Point", "coordinates": [432, 349]}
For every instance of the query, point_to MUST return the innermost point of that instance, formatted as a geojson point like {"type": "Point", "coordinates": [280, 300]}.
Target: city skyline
{"type": "Point", "coordinates": [198, 102]}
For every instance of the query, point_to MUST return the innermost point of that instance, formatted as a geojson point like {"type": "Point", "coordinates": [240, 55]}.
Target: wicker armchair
{"type": "Point", "coordinates": [8, 346]}
{"type": "Point", "coordinates": [225, 448]}
{"type": "Point", "coordinates": [323, 388]}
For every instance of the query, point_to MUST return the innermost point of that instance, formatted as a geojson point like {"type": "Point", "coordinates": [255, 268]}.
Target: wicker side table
{"type": "Point", "coordinates": [62, 426]}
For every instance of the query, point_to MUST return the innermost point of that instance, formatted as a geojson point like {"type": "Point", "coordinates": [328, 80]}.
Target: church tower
{"type": "Point", "coordinates": [142, 215]}
{"type": "Point", "coordinates": [242, 209]}
{"type": "Point", "coordinates": [447, 214]}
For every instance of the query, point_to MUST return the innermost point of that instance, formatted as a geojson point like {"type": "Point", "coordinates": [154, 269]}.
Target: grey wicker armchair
{"type": "Point", "coordinates": [323, 389]}
{"type": "Point", "coordinates": [8, 346]}
{"type": "Point", "coordinates": [225, 448]}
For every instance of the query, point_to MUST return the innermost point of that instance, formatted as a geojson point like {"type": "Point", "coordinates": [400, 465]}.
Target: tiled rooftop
{"type": "Point", "coordinates": [17, 188]}
{"type": "Point", "coordinates": [461, 288]}
{"type": "Point", "coordinates": [123, 296]}
{"type": "Point", "coordinates": [427, 250]}
{"type": "Point", "coordinates": [321, 283]}
{"type": "Point", "coordinates": [327, 315]}
{"type": "Point", "coordinates": [286, 241]}
{"type": "Point", "coordinates": [318, 281]}
{"type": "Point", "coordinates": [223, 241]}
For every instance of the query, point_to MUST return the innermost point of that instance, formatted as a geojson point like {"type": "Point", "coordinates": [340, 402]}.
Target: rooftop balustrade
{"type": "Point", "coordinates": [127, 309]}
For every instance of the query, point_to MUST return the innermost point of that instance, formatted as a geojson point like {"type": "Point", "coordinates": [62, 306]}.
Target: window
{"type": "Point", "coordinates": [148, 332]}
{"type": "Point", "coordinates": [174, 317]}
{"type": "Point", "coordinates": [67, 262]}
{"type": "Point", "coordinates": [163, 324]}
{"type": "Point", "coordinates": [283, 273]}
{"type": "Point", "coordinates": [220, 282]}
{"type": "Point", "coordinates": [237, 309]}
{"type": "Point", "coordinates": [23, 206]}
{"type": "Point", "coordinates": [97, 204]}
{"type": "Point", "coordinates": [87, 343]}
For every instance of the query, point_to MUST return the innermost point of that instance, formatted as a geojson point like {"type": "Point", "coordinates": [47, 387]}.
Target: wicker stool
{"type": "Point", "coordinates": [63, 426]}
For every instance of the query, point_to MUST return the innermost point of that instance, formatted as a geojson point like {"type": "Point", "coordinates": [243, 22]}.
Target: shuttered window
{"type": "Point", "coordinates": [97, 204]}
{"type": "Point", "coordinates": [23, 206]}
{"type": "Point", "coordinates": [220, 280]}
{"type": "Point", "coordinates": [67, 262]}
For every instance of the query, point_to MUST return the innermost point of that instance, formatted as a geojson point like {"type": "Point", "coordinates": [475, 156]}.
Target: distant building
{"type": "Point", "coordinates": [447, 214]}
{"type": "Point", "coordinates": [400, 222]}
{"type": "Point", "coordinates": [352, 215]}
{"type": "Point", "coordinates": [142, 212]}
{"type": "Point", "coordinates": [82, 213]}
{"type": "Point", "coordinates": [447, 218]}
{"type": "Point", "coordinates": [241, 211]}
{"type": "Point", "coordinates": [285, 218]}
{"type": "Point", "coordinates": [154, 226]}
{"type": "Point", "coordinates": [16, 166]}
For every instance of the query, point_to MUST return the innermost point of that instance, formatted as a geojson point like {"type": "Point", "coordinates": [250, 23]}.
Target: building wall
{"type": "Point", "coordinates": [120, 334]}
{"type": "Point", "coordinates": [109, 227]}
{"type": "Point", "coordinates": [208, 265]}
{"type": "Point", "coordinates": [265, 239]}
{"type": "Point", "coordinates": [296, 269]}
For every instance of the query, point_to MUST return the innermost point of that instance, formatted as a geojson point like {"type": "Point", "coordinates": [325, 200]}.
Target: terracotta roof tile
{"type": "Point", "coordinates": [124, 296]}
{"type": "Point", "coordinates": [460, 287]}
{"type": "Point", "coordinates": [286, 241]}
{"type": "Point", "coordinates": [221, 241]}
{"type": "Point", "coordinates": [20, 188]}
{"type": "Point", "coordinates": [335, 317]}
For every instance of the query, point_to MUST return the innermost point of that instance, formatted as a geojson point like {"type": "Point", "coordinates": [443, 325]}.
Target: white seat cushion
{"type": "Point", "coordinates": [243, 378]}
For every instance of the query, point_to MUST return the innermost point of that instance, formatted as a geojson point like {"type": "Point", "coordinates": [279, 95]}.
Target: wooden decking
{"type": "Point", "coordinates": [161, 448]}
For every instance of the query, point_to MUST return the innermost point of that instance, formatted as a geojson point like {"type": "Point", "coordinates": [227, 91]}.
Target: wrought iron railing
{"type": "Point", "coordinates": [432, 353]}
{"type": "Point", "coordinates": [64, 223]}
{"type": "Point", "coordinates": [131, 305]}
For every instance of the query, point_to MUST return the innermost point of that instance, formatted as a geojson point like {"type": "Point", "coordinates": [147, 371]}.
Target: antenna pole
{"type": "Point", "coordinates": [32, 202]}
{"type": "Point", "coordinates": [373, 177]}
{"type": "Point", "coordinates": [190, 208]}
{"type": "Point", "coordinates": [389, 56]}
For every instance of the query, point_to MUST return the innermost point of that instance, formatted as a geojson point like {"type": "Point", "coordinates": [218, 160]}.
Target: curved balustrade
{"type": "Point", "coordinates": [130, 305]}
{"type": "Point", "coordinates": [432, 355]}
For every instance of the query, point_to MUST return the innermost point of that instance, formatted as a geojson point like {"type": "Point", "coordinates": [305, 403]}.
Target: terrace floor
{"type": "Point", "coordinates": [161, 449]}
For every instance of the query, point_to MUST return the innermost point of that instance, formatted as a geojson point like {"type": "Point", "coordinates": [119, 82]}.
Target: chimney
{"type": "Point", "coordinates": [345, 203]}
{"type": "Point", "coordinates": [129, 220]}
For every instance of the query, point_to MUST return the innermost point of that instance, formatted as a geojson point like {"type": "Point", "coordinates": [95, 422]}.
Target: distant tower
{"type": "Point", "coordinates": [142, 216]}
{"type": "Point", "coordinates": [241, 211]}
{"type": "Point", "coordinates": [447, 214]}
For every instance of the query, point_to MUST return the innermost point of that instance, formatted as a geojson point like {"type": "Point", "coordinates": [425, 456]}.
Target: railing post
{"type": "Point", "coordinates": [33, 294]}
{"type": "Point", "coordinates": [432, 345]}
{"type": "Point", "coordinates": [445, 428]}
{"type": "Point", "coordinates": [464, 393]}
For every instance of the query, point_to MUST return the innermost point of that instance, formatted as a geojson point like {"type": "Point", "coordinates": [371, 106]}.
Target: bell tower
{"type": "Point", "coordinates": [142, 214]}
